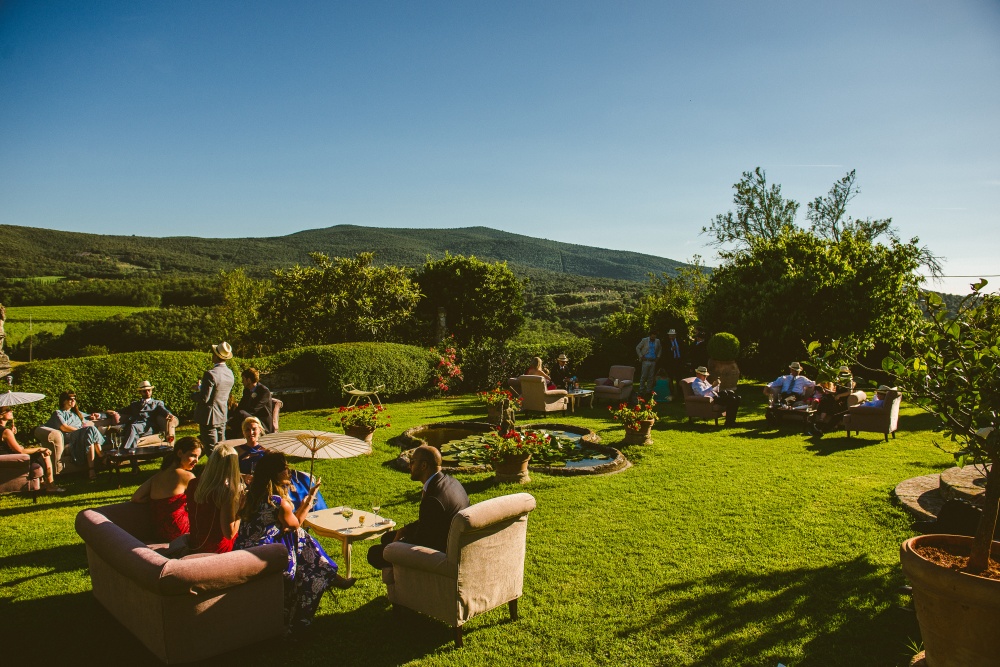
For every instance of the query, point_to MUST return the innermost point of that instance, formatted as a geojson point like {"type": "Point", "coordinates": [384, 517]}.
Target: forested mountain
{"type": "Point", "coordinates": [29, 251]}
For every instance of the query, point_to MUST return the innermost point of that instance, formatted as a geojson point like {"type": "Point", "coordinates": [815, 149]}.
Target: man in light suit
{"type": "Point", "coordinates": [143, 417]}
{"type": "Point", "coordinates": [443, 497]}
{"type": "Point", "coordinates": [211, 396]}
{"type": "Point", "coordinates": [648, 350]}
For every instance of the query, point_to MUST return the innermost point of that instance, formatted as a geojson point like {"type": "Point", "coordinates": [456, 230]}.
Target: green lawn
{"type": "Point", "coordinates": [55, 318]}
{"type": "Point", "coordinates": [743, 546]}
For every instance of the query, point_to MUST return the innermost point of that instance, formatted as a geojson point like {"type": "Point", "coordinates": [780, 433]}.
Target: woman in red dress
{"type": "Point", "coordinates": [164, 491]}
{"type": "Point", "coordinates": [213, 503]}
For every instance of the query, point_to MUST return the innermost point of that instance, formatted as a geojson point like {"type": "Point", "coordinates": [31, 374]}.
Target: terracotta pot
{"type": "Point", "coordinates": [360, 432]}
{"type": "Point", "coordinates": [727, 372]}
{"type": "Point", "coordinates": [958, 613]}
{"type": "Point", "coordinates": [513, 469]}
{"type": "Point", "coordinates": [642, 436]}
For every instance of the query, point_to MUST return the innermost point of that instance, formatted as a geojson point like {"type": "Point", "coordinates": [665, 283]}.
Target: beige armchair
{"type": "Point", "coordinates": [539, 399]}
{"type": "Point", "coordinates": [482, 568]}
{"type": "Point", "coordinates": [882, 420]}
{"type": "Point", "coordinates": [607, 389]}
{"type": "Point", "coordinates": [700, 407]}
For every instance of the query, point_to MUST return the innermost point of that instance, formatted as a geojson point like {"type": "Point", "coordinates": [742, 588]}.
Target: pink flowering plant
{"type": "Point", "coordinates": [631, 416]}
{"type": "Point", "coordinates": [447, 372]}
{"type": "Point", "coordinates": [367, 416]}
{"type": "Point", "coordinates": [495, 396]}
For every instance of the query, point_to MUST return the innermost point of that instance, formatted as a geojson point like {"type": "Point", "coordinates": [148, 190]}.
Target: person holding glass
{"type": "Point", "coordinates": [40, 456]}
{"type": "Point", "coordinates": [80, 433]}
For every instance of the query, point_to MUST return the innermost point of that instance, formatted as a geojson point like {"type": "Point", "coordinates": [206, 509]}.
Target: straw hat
{"type": "Point", "coordinates": [222, 351]}
{"type": "Point", "coordinates": [882, 388]}
{"type": "Point", "coordinates": [144, 385]}
{"type": "Point", "coordinates": [795, 366]}
{"type": "Point", "coordinates": [701, 370]}
{"type": "Point", "coordinates": [672, 332]}
{"type": "Point", "coordinates": [844, 370]}
{"type": "Point", "coordinates": [562, 357]}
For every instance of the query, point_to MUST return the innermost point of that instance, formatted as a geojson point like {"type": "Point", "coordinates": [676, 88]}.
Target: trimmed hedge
{"type": "Point", "coordinates": [486, 364]}
{"type": "Point", "coordinates": [109, 382]}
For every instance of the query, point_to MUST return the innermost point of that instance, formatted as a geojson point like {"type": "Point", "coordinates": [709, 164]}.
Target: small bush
{"type": "Point", "coordinates": [724, 347]}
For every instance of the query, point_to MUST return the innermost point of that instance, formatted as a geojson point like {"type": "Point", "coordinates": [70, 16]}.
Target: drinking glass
{"type": "Point", "coordinates": [361, 521]}
{"type": "Point", "coordinates": [375, 510]}
{"type": "Point", "coordinates": [347, 513]}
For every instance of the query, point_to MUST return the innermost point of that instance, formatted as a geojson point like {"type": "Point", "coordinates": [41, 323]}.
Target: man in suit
{"type": "Point", "coordinates": [648, 350]}
{"type": "Point", "coordinates": [143, 417]}
{"type": "Point", "coordinates": [562, 373]}
{"type": "Point", "coordinates": [211, 396]}
{"type": "Point", "coordinates": [443, 497]}
{"type": "Point", "coordinates": [255, 402]}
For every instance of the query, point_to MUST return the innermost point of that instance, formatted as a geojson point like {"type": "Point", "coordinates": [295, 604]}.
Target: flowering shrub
{"type": "Point", "coordinates": [630, 417]}
{"type": "Point", "coordinates": [447, 370]}
{"type": "Point", "coordinates": [368, 415]}
{"type": "Point", "coordinates": [495, 397]}
{"type": "Point", "coordinates": [497, 446]}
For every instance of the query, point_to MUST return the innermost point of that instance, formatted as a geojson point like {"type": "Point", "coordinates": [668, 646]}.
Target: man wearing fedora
{"type": "Point", "coordinates": [727, 398]}
{"type": "Point", "coordinates": [561, 374]}
{"type": "Point", "coordinates": [676, 361]}
{"type": "Point", "coordinates": [143, 417]}
{"type": "Point", "coordinates": [211, 396]}
{"type": "Point", "coordinates": [793, 385]}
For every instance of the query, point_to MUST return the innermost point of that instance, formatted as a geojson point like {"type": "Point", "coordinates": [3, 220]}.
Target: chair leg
{"type": "Point", "coordinates": [458, 637]}
{"type": "Point", "coordinates": [893, 435]}
{"type": "Point", "coordinates": [887, 437]}
{"type": "Point", "coordinates": [512, 608]}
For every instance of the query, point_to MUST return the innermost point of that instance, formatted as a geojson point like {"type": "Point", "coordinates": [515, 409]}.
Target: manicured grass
{"type": "Point", "coordinates": [742, 546]}
{"type": "Point", "coordinates": [55, 318]}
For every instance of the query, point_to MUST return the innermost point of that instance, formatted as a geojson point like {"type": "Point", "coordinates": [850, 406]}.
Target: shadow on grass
{"type": "Point", "coordinates": [834, 444]}
{"type": "Point", "coordinates": [850, 610]}
{"type": "Point", "coordinates": [66, 558]}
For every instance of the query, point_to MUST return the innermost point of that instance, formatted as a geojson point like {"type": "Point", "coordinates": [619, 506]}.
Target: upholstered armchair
{"type": "Point", "coordinates": [62, 458]}
{"type": "Point", "coordinates": [482, 568]}
{"type": "Point", "coordinates": [700, 407]}
{"type": "Point", "coordinates": [17, 474]}
{"type": "Point", "coordinates": [882, 420]}
{"type": "Point", "coordinates": [539, 399]}
{"type": "Point", "coordinates": [617, 387]}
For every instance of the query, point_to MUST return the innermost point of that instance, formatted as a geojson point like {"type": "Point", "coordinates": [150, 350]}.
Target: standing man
{"type": "Point", "coordinates": [443, 497]}
{"type": "Point", "coordinates": [726, 398]}
{"type": "Point", "coordinates": [211, 396]}
{"type": "Point", "coordinates": [255, 402]}
{"type": "Point", "coordinates": [698, 352]}
{"type": "Point", "coordinates": [648, 351]}
{"type": "Point", "coordinates": [676, 367]}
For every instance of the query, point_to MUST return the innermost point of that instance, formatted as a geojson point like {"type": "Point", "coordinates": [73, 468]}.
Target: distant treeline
{"type": "Point", "coordinates": [176, 291]}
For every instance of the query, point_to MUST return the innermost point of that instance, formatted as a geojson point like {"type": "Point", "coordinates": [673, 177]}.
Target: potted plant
{"type": "Point", "coordinates": [723, 348]}
{"type": "Point", "coordinates": [953, 372]}
{"type": "Point", "coordinates": [638, 420]}
{"type": "Point", "coordinates": [510, 452]}
{"type": "Point", "coordinates": [360, 421]}
{"type": "Point", "coordinates": [494, 399]}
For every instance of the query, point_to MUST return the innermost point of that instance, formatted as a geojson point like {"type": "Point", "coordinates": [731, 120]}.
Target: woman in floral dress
{"type": "Point", "coordinates": [268, 517]}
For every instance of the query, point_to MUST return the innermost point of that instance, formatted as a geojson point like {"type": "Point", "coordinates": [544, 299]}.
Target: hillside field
{"type": "Point", "coordinates": [55, 318]}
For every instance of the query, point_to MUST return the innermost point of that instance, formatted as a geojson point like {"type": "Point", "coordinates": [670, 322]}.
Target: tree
{"type": "Point", "coordinates": [239, 314]}
{"type": "Point", "coordinates": [481, 300]}
{"type": "Point", "coordinates": [844, 279]}
{"type": "Point", "coordinates": [338, 301]}
{"type": "Point", "coordinates": [761, 213]}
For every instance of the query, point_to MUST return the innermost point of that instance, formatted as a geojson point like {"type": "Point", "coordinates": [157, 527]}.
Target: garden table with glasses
{"type": "Point", "coordinates": [578, 396]}
{"type": "Point", "coordinates": [349, 526]}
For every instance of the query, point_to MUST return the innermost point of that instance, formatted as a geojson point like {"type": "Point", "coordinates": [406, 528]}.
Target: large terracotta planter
{"type": "Point", "coordinates": [642, 436]}
{"type": "Point", "coordinates": [958, 613]}
{"type": "Point", "coordinates": [493, 413]}
{"type": "Point", "coordinates": [727, 372]}
{"type": "Point", "coordinates": [360, 432]}
{"type": "Point", "coordinates": [513, 469]}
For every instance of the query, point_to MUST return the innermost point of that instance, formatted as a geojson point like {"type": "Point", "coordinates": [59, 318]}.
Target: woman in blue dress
{"type": "Point", "coordinates": [80, 435]}
{"type": "Point", "coordinates": [268, 517]}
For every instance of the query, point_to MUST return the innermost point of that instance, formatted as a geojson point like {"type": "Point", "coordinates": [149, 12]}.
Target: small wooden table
{"type": "Point", "coordinates": [330, 523]}
{"type": "Point", "coordinates": [579, 396]}
{"type": "Point", "coordinates": [116, 458]}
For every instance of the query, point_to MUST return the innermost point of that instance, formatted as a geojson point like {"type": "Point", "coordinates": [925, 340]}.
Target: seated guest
{"type": "Point", "coordinates": [443, 497]}
{"type": "Point", "coordinates": [793, 385]}
{"type": "Point", "coordinates": [268, 517]}
{"type": "Point", "coordinates": [879, 400]}
{"type": "Point", "coordinates": [252, 451]}
{"type": "Point", "coordinates": [727, 398]}
{"type": "Point", "coordinates": [255, 402]}
{"type": "Point", "coordinates": [40, 456]}
{"type": "Point", "coordinates": [661, 390]}
{"type": "Point", "coordinates": [80, 434]}
{"type": "Point", "coordinates": [213, 501]}
{"type": "Point", "coordinates": [561, 374]}
{"type": "Point", "coordinates": [139, 418]}
{"type": "Point", "coordinates": [535, 368]}
{"type": "Point", "coordinates": [164, 491]}
{"type": "Point", "coordinates": [833, 404]}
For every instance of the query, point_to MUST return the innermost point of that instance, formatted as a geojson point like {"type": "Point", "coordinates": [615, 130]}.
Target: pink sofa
{"type": "Point", "coordinates": [186, 609]}
{"type": "Point", "coordinates": [18, 474]}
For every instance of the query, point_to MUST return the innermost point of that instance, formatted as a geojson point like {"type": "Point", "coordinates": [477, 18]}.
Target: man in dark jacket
{"type": "Point", "coordinates": [255, 402]}
{"type": "Point", "coordinates": [443, 497]}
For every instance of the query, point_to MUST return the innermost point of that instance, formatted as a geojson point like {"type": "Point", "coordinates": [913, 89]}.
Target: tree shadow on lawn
{"type": "Point", "coordinates": [833, 444]}
{"type": "Point", "coordinates": [848, 613]}
{"type": "Point", "coordinates": [65, 558]}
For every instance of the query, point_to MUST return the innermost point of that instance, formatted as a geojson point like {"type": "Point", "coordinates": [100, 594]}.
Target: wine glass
{"type": "Point", "coordinates": [347, 513]}
{"type": "Point", "coordinates": [361, 520]}
{"type": "Point", "coordinates": [376, 508]}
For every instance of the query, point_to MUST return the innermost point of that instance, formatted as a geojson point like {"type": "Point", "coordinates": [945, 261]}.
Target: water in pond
{"type": "Point", "coordinates": [467, 450]}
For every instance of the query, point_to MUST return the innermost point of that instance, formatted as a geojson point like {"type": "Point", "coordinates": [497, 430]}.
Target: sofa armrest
{"type": "Point", "coordinates": [420, 558]}
{"type": "Point", "coordinates": [192, 576]}
{"type": "Point", "coordinates": [695, 398]}
{"type": "Point", "coordinates": [867, 410]}
{"type": "Point", "coordinates": [556, 392]}
{"type": "Point", "coordinates": [48, 437]}
{"type": "Point", "coordinates": [625, 383]}
{"type": "Point", "coordinates": [14, 460]}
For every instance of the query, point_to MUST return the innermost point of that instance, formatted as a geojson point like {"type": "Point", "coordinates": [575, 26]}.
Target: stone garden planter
{"type": "Point", "coordinates": [513, 469]}
{"type": "Point", "coordinates": [642, 436]}
{"type": "Point", "coordinates": [360, 432]}
{"type": "Point", "coordinates": [727, 372]}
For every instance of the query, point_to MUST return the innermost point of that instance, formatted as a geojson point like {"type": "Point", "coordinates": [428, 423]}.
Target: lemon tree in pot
{"type": "Point", "coordinates": [723, 348]}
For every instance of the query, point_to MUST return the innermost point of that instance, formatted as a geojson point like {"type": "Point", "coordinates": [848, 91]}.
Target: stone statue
{"type": "Point", "coordinates": [507, 420]}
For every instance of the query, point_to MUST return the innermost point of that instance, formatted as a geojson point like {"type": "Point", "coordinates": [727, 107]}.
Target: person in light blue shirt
{"type": "Point", "coordinates": [648, 350]}
{"type": "Point", "coordinates": [80, 435]}
{"type": "Point", "coordinates": [793, 385]}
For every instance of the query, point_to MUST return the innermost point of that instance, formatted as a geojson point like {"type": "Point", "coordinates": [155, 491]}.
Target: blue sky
{"type": "Point", "coordinates": [619, 125]}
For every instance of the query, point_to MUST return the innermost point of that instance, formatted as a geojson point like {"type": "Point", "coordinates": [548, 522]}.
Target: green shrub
{"type": "Point", "coordinates": [486, 363]}
{"type": "Point", "coordinates": [724, 347]}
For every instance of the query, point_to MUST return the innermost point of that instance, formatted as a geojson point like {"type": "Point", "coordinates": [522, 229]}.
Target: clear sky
{"type": "Point", "coordinates": [614, 124]}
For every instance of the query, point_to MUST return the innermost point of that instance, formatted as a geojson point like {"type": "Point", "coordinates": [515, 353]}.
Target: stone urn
{"type": "Point", "coordinates": [727, 372]}
{"type": "Point", "coordinates": [360, 432]}
{"type": "Point", "coordinates": [642, 436]}
{"type": "Point", "coordinates": [723, 348]}
{"type": "Point", "coordinates": [958, 613]}
{"type": "Point", "coordinates": [513, 469]}
{"type": "Point", "coordinates": [493, 413]}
